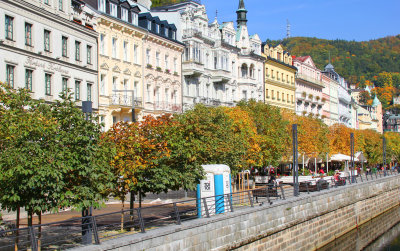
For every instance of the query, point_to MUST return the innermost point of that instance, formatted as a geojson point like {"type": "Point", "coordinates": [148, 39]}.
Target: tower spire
{"type": "Point", "coordinates": [241, 14]}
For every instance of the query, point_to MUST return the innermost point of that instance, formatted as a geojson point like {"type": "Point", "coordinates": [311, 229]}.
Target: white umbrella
{"type": "Point", "coordinates": [340, 157]}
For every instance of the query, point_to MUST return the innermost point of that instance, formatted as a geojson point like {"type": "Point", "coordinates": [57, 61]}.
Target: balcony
{"type": "Point", "coordinates": [195, 33]}
{"type": "Point", "coordinates": [192, 68]}
{"type": "Point", "coordinates": [220, 75]}
{"type": "Point", "coordinates": [125, 100]}
{"type": "Point", "coordinates": [310, 80]}
{"type": "Point", "coordinates": [248, 81]}
{"type": "Point", "coordinates": [167, 106]}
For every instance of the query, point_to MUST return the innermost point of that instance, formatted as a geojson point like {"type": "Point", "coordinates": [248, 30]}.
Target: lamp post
{"type": "Point", "coordinates": [295, 161]}
{"type": "Point", "coordinates": [384, 155]}
{"type": "Point", "coordinates": [352, 156]}
{"type": "Point", "coordinates": [87, 212]}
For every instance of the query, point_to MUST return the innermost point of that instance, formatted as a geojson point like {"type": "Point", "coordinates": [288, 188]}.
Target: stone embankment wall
{"type": "Point", "coordinates": [303, 223]}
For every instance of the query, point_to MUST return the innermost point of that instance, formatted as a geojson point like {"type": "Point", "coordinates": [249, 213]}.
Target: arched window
{"type": "Point", "coordinates": [252, 71]}
{"type": "Point", "coordinates": [244, 70]}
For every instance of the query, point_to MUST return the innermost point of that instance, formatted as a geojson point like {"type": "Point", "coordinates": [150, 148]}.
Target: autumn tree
{"type": "Point", "coordinates": [393, 146]}
{"type": "Point", "coordinates": [271, 130]}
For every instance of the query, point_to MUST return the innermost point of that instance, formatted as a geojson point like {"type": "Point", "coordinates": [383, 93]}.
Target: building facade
{"type": "Point", "coordinates": [162, 71]}
{"type": "Point", "coordinates": [279, 77]}
{"type": "Point", "coordinates": [129, 43]}
{"type": "Point", "coordinates": [49, 47]}
{"type": "Point", "coordinates": [309, 95]}
{"type": "Point", "coordinates": [221, 65]}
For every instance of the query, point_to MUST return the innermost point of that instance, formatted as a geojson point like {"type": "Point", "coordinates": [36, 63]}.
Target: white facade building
{"type": "Point", "coordinates": [49, 48]}
{"type": "Point", "coordinates": [221, 64]}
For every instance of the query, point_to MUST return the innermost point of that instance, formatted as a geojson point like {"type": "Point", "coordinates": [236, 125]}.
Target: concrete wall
{"type": "Point", "coordinates": [309, 222]}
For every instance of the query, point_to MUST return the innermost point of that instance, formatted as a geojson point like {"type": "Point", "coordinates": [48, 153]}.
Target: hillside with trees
{"type": "Point", "coordinates": [374, 62]}
{"type": "Point", "coordinates": [356, 61]}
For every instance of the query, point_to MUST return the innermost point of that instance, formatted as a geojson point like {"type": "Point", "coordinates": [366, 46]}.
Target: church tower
{"type": "Point", "coordinates": [241, 14]}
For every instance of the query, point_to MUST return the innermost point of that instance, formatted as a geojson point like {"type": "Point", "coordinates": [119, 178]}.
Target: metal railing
{"type": "Point", "coordinates": [68, 234]}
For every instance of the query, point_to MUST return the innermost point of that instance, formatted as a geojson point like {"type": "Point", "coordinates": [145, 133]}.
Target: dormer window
{"type": "Point", "coordinates": [134, 18]}
{"type": "Point", "coordinates": [166, 32]}
{"type": "Point", "coordinates": [113, 10]}
{"type": "Point", "coordinates": [149, 25]}
{"type": "Point", "coordinates": [102, 5]}
{"type": "Point", "coordinates": [124, 14]}
{"type": "Point", "coordinates": [157, 28]}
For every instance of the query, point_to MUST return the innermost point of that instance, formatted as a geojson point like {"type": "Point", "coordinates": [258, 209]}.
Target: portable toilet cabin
{"type": "Point", "coordinates": [211, 190]}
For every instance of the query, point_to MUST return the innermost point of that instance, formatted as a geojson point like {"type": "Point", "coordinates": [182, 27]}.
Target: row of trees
{"type": "Point", "coordinates": [52, 158]}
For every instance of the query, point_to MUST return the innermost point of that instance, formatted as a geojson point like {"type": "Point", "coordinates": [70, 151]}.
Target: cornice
{"type": "Point", "coordinates": [53, 17]}
{"type": "Point", "coordinates": [276, 83]}
{"type": "Point", "coordinates": [43, 57]}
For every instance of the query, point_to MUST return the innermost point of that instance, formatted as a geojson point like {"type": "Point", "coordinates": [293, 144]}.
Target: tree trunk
{"type": "Point", "coordinates": [40, 230]}
{"type": "Point", "coordinates": [122, 215]}
{"type": "Point", "coordinates": [30, 218]}
{"type": "Point", "coordinates": [131, 208]}
{"type": "Point", "coordinates": [17, 226]}
{"type": "Point", "coordinates": [140, 199]}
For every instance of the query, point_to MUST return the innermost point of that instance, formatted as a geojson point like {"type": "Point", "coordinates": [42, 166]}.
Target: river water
{"type": "Point", "coordinates": [380, 233]}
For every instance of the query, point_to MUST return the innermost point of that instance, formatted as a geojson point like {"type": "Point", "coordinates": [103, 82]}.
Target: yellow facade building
{"type": "Point", "coordinates": [120, 70]}
{"type": "Point", "coordinates": [279, 79]}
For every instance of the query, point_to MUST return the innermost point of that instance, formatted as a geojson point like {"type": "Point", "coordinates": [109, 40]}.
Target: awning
{"type": "Point", "coordinates": [360, 157]}
{"type": "Point", "coordinates": [340, 157]}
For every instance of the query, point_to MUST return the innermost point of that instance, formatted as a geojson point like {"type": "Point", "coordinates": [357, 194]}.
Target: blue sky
{"type": "Point", "coordinates": [359, 20]}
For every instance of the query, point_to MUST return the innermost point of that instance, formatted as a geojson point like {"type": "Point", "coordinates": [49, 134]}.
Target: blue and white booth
{"type": "Point", "coordinates": [216, 184]}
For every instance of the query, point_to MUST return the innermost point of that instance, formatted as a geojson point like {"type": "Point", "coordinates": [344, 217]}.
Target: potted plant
{"type": "Point", "coordinates": [149, 66]}
{"type": "Point", "coordinates": [317, 98]}
{"type": "Point", "coordinates": [304, 113]}
{"type": "Point", "coordinates": [167, 71]}
{"type": "Point", "coordinates": [310, 96]}
{"type": "Point", "coordinates": [323, 100]}
{"type": "Point", "coordinates": [323, 117]}
{"type": "Point", "coordinates": [158, 68]}
{"type": "Point", "coordinates": [176, 73]}
{"type": "Point", "coordinates": [304, 94]}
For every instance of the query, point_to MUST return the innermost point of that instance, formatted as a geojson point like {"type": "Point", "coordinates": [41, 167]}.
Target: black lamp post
{"type": "Point", "coordinates": [352, 156]}
{"type": "Point", "coordinates": [87, 212]}
{"type": "Point", "coordinates": [295, 161]}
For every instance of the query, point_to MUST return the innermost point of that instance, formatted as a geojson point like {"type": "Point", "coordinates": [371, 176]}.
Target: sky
{"type": "Point", "coordinates": [359, 20]}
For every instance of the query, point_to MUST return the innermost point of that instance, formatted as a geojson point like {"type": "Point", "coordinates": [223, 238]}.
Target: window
{"type": "Point", "coordinates": [102, 5]}
{"type": "Point", "coordinates": [113, 10]}
{"type": "Point", "coordinates": [77, 90]}
{"type": "Point", "coordinates": [149, 25]}
{"type": "Point", "coordinates": [157, 59]}
{"type": "Point", "coordinates": [166, 99]}
{"type": "Point", "coordinates": [124, 14]}
{"type": "Point", "coordinates": [272, 94]}
{"type": "Point", "coordinates": [175, 65]}
{"type": "Point", "coordinates": [125, 51]}
{"type": "Point", "coordinates": [135, 54]}
{"type": "Point", "coordinates": [148, 56]}
{"type": "Point", "coordinates": [28, 34]}
{"type": "Point", "coordinates": [102, 84]}
{"type": "Point", "coordinates": [89, 54]}
{"type": "Point", "coordinates": [157, 28]}
{"type": "Point", "coordinates": [9, 28]}
{"type": "Point", "coordinates": [102, 36]}
{"type": "Point", "coordinates": [89, 92]}
{"type": "Point", "coordinates": [64, 42]}
{"type": "Point", "coordinates": [10, 75]}
{"type": "Point", "coordinates": [60, 5]}
{"type": "Point", "coordinates": [64, 87]}
{"type": "Point", "coordinates": [46, 40]}
{"type": "Point", "coordinates": [114, 84]}
{"type": "Point", "coordinates": [77, 51]}
{"type": "Point", "coordinates": [148, 90]}
{"type": "Point", "coordinates": [47, 83]}
{"type": "Point", "coordinates": [134, 18]}
{"type": "Point", "coordinates": [28, 79]}
{"type": "Point", "coordinates": [114, 47]}
{"type": "Point", "coordinates": [166, 62]}
{"type": "Point", "coordinates": [277, 96]}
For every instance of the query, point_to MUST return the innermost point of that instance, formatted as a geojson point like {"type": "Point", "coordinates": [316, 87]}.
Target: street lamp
{"type": "Point", "coordinates": [87, 212]}
{"type": "Point", "coordinates": [295, 161]}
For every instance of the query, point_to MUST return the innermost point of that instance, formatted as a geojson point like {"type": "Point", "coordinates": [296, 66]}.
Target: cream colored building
{"type": "Point", "coordinates": [162, 71]}
{"type": "Point", "coordinates": [279, 77]}
{"type": "Point", "coordinates": [139, 62]}
{"type": "Point", "coordinates": [120, 70]}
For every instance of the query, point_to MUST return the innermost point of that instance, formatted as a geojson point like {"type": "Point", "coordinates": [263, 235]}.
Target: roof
{"type": "Point", "coordinates": [376, 102]}
{"type": "Point", "coordinates": [329, 67]}
{"type": "Point", "coordinates": [302, 59]}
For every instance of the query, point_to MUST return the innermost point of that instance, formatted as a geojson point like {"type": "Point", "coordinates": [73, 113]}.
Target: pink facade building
{"type": "Point", "coordinates": [310, 98]}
